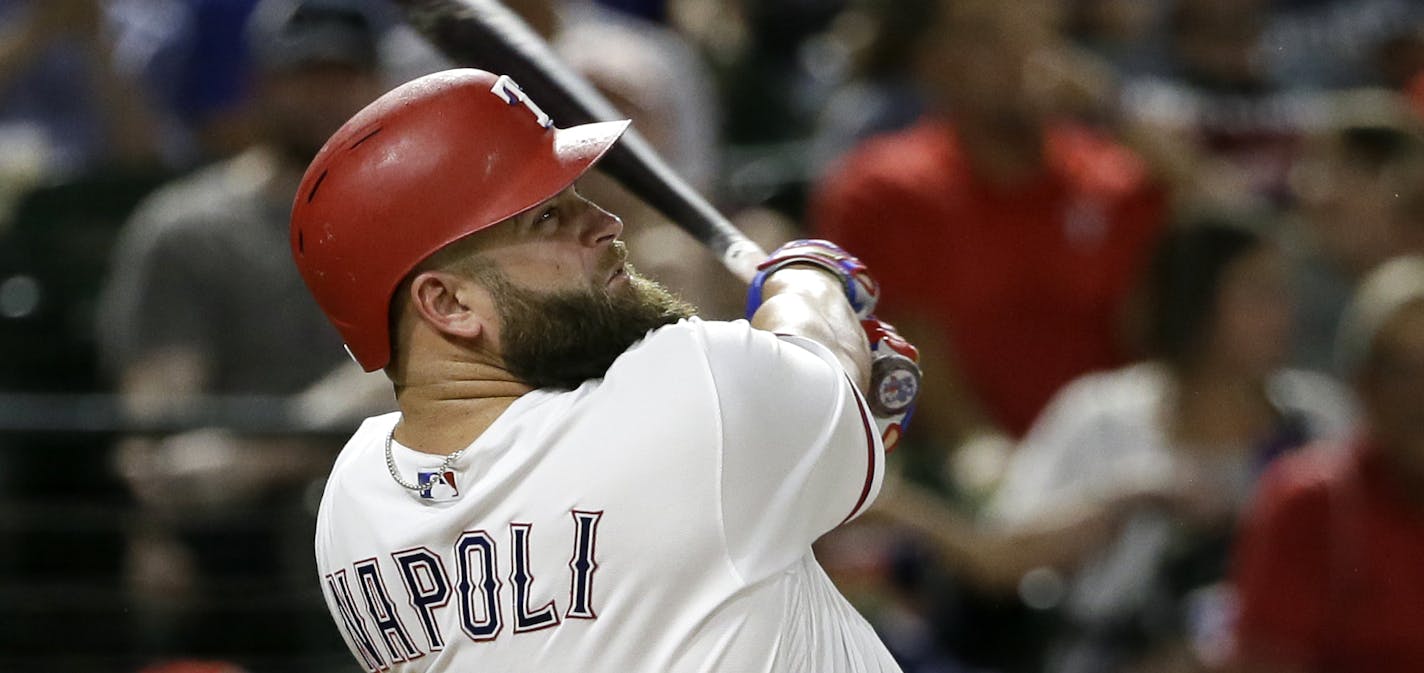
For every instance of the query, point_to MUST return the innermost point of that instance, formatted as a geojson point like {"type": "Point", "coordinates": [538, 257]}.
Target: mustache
{"type": "Point", "coordinates": [617, 260]}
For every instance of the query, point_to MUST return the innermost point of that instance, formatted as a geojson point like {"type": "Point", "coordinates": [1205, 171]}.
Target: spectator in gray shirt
{"type": "Point", "coordinates": [203, 300]}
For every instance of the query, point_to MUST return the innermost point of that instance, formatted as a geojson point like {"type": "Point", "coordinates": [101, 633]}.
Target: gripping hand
{"type": "Point", "coordinates": [860, 288]}
{"type": "Point", "coordinates": [894, 370]}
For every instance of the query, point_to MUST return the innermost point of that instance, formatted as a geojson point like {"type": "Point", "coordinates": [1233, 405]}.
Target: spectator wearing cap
{"type": "Point", "coordinates": [203, 299]}
{"type": "Point", "coordinates": [1212, 120]}
{"type": "Point", "coordinates": [1359, 201]}
{"type": "Point", "coordinates": [1328, 572]}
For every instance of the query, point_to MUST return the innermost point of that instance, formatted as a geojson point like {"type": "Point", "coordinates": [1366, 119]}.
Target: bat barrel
{"type": "Point", "coordinates": [635, 164]}
{"type": "Point", "coordinates": [485, 34]}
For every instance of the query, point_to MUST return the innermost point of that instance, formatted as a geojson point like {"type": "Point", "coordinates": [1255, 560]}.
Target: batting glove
{"type": "Point", "coordinates": [894, 380]}
{"type": "Point", "coordinates": [860, 288]}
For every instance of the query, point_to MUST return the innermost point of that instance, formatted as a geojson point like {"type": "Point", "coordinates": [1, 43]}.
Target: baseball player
{"type": "Point", "coordinates": [582, 476]}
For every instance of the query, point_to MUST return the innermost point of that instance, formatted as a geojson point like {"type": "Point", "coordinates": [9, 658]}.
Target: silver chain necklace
{"type": "Point", "coordinates": [395, 474]}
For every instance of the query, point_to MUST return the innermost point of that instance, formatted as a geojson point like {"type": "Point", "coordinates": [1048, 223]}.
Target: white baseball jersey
{"type": "Point", "coordinates": [659, 519]}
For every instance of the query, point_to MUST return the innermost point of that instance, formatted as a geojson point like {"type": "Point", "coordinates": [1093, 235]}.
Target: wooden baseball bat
{"type": "Point", "coordinates": [486, 35]}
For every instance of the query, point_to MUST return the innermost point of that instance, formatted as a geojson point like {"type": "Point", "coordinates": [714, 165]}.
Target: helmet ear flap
{"type": "Point", "coordinates": [428, 163]}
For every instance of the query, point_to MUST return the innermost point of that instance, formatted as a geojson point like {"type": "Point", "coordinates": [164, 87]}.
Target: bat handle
{"type": "Point", "coordinates": [741, 256]}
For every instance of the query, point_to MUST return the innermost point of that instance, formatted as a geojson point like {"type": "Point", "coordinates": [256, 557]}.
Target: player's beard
{"type": "Point", "coordinates": [561, 339]}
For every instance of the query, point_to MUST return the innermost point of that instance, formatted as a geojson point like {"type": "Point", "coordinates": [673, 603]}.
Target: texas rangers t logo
{"type": "Point", "coordinates": [505, 88]}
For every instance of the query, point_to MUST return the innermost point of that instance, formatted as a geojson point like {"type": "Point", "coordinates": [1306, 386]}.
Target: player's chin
{"type": "Point", "coordinates": [654, 297]}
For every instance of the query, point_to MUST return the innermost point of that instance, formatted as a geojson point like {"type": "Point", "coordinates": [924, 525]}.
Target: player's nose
{"type": "Point", "coordinates": [601, 227]}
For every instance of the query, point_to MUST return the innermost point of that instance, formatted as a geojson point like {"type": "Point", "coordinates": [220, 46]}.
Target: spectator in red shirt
{"type": "Point", "coordinates": [1007, 238]}
{"type": "Point", "coordinates": [1330, 564]}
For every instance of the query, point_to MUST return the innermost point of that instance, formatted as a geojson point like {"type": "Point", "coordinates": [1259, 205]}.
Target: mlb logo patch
{"type": "Point", "coordinates": [438, 486]}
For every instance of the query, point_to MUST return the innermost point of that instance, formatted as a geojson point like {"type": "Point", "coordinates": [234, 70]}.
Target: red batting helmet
{"type": "Point", "coordinates": [432, 161]}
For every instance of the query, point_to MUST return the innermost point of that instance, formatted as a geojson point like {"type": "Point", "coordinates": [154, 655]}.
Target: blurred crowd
{"type": "Point", "coordinates": [1164, 261]}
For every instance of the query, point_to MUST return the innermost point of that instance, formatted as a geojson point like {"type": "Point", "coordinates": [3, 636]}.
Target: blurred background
{"type": "Point", "coordinates": [1157, 254]}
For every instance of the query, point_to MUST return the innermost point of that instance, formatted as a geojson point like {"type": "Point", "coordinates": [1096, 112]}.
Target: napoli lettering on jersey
{"type": "Point", "coordinates": [388, 623]}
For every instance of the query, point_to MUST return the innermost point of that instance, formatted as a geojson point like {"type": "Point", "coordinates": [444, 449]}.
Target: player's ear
{"type": "Point", "coordinates": [450, 304]}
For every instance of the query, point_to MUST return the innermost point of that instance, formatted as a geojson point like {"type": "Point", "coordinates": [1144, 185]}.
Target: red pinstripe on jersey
{"type": "Point", "coordinates": [870, 455]}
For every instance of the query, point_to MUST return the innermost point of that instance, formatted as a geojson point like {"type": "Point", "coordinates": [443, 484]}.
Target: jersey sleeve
{"type": "Point", "coordinates": [800, 452]}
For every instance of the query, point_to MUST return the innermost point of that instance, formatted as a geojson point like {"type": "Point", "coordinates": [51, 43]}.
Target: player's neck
{"type": "Point", "coordinates": [444, 412]}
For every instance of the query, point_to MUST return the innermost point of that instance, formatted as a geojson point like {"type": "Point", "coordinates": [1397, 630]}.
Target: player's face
{"type": "Point", "coordinates": [568, 302]}
{"type": "Point", "coordinates": [564, 243]}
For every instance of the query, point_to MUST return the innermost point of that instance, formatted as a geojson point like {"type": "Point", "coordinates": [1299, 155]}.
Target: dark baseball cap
{"type": "Point", "coordinates": [287, 34]}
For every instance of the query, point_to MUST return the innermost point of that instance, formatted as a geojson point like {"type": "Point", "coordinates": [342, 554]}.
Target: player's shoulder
{"type": "Point", "coordinates": [726, 335]}
{"type": "Point", "coordinates": [369, 436]}
{"type": "Point", "coordinates": [664, 352]}
{"type": "Point", "coordinates": [353, 480]}
{"type": "Point", "coordinates": [720, 346]}
{"type": "Point", "coordinates": [699, 334]}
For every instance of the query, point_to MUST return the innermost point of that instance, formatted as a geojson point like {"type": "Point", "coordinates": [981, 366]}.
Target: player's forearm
{"type": "Point", "coordinates": [808, 302]}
